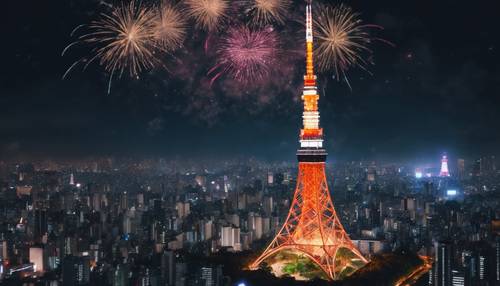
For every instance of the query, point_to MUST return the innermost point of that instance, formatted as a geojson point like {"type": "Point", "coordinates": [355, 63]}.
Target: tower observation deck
{"type": "Point", "coordinates": [311, 135]}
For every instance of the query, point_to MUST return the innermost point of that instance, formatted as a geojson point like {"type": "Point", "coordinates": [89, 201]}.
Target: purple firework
{"type": "Point", "coordinates": [246, 55]}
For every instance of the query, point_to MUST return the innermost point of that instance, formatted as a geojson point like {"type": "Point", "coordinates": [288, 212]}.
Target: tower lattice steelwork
{"type": "Point", "coordinates": [312, 227]}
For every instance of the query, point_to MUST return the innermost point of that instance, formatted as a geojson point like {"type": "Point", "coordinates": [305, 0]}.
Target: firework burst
{"type": "Point", "coordinates": [343, 40]}
{"type": "Point", "coordinates": [125, 39]}
{"type": "Point", "coordinates": [122, 41]}
{"type": "Point", "coordinates": [170, 28]}
{"type": "Point", "coordinates": [266, 12]}
{"type": "Point", "coordinates": [246, 55]}
{"type": "Point", "coordinates": [208, 14]}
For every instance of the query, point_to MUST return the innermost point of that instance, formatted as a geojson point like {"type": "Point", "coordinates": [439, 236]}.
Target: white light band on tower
{"type": "Point", "coordinates": [309, 33]}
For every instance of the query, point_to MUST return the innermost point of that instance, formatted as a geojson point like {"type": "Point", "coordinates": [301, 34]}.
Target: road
{"type": "Point", "coordinates": [413, 277]}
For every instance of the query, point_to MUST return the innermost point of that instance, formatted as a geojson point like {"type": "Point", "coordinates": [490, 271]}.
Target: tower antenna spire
{"type": "Point", "coordinates": [310, 78]}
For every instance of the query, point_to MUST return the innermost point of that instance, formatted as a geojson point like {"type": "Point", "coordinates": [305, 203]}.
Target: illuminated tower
{"type": "Point", "coordinates": [444, 167]}
{"type": "Point", "coordinates": [312, 227]}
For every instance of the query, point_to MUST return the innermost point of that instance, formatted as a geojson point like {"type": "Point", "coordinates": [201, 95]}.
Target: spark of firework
{"type": "Point", "coordinates": [343, 40]}
{"type": "Point", "coordinates": [170, 28]}
{"type": "Point", "coordinates": [268, 11]}
{"type": "Point", "coordinates": [246, 55]}
{"type": "Point", "coordinates": [207, 14]}
{"type": "Point", "coordinates": [122, 41]}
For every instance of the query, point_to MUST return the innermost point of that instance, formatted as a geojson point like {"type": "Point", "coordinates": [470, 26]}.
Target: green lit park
{"type": "Point", "coordinates": [299, 266]}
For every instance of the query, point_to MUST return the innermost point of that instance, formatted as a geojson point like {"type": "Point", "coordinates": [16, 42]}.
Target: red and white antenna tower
{"type": "Point", "coordinates": [444, 172]}
{"type": "Point", "coordinates": [312, 227]}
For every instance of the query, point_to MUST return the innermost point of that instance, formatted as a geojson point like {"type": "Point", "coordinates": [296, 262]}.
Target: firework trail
{"type": "Point", "coordinates": [343, 40]}
{"type": "Point", "coordinates": [266, 12]}
{"type": "Point", "coordinates": [246, 55]}
{"type": "Point", "coordinates": [170, 28]}
{"type": "Point", "coordinates": [208, 14]}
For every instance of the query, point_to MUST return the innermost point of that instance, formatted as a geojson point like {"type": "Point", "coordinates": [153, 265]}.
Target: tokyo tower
{"type": "Point", "coordinates": [312, 228]}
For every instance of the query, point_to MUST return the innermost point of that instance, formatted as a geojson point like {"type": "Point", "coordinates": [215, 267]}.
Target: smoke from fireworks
{"type": "Point", "coordinates": [268, 11]}
{"type": "Point", "coordinates": [246, 55]}
{"type": "Point", "coordinates": [170, 28]}
{"type": "Point", "coordinates": [207, 13]}
{"type": "Point", "coordinates": [342, 39]}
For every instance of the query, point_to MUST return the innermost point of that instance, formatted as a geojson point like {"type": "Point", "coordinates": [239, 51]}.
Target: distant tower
{"type": "Point", "coordinates": [312, 227]}
{"type": "Point", "coordinates": [444, 167]}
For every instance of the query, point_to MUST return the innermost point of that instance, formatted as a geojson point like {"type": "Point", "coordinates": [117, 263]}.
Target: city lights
{"type": "Point", "coordinates": [418, 174]}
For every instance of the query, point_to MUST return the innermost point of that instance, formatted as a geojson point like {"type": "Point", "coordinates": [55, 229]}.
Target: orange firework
{"type": "Point", "coordinates": [208, 14]}
{"type": "Point", "coordinates": [170, 28]}
{"type": "Point", "coordinates": [125, 39]}
{"type": "Point", "coordinates": [342, 39]}
{"type": "Point", "coordinates": [122, 41]}
{"type": "Point", "coordinates": [268, 11]}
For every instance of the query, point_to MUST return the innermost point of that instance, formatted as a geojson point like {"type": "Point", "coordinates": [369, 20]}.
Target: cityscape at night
{"type": "Point", "coordinates": [250, 143]}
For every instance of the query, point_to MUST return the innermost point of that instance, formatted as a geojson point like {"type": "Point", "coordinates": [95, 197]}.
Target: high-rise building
{"type": "Point", "coordinates": [267, 205]}
{"type": "Point", "coordinates": [38, 258]}
{"type": "Point", "coordinates": [497, 260]}
{"type": "Point", "coordinates": [279, 178]}
{"type": "Point", "coordinates": [96, 202]}
{"type": "Point", "coordinates": [255, 225]}
{"type": "Point", "coordinates": [312, 227]}
{"type": "Point", "coordinates": [230, 237]}
{"type": "Point", "coordinates": [476, 168]}
{"type": "Point", "coordinates": [76, 271]}
{"type": "Point", "coordinates": [71, 179]}
{"type": "Point", "coordinates": [183, 209]}
{"type": "Point", "coordinates": [442, 264]}
{"type": "Point", "coordinates": [41, 225]}
{"type": "Point", "coordinates": [180, 274]}
{"type": "Point", "coordinates": [409, 204]}
{"type": "Point", "coordinates": [120, 275]}
{"type": "Point", "coordinates": [457, 278]}
{"type": "Point", "coordinates": [4, 254]}
{"type": "Point", "coordinates": [461, 168]}
{"type": "Point", "coordinates": [480, 266]}
{"type": "Point", "coordinates": [207, 229]}
{"type": "Point", "coordinates": [168, 268]}
{"type": "Point", "coordinates": [488, 165]}
{"type": "Point", "coordinates": [124, 201]}
{"type": "Point", "coordinates": [209, 275]}
{"type": "Point", "coordinates": [206, 278]}
{"type": "Point", "coordinates": [270, 178]}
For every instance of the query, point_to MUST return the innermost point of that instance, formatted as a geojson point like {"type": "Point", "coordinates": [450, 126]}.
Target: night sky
{"type": "Point", "coordinates": [437, 90]}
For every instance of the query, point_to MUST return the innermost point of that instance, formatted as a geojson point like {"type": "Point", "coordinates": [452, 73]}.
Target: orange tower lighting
{"type": "Point", "coordinates": [312, 227]}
